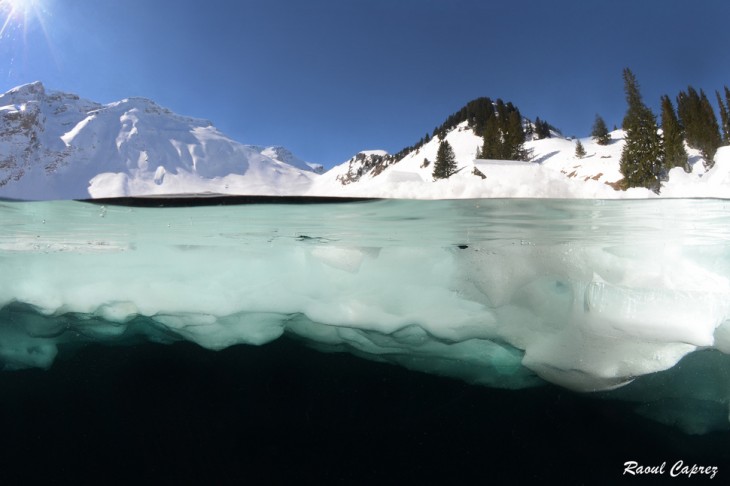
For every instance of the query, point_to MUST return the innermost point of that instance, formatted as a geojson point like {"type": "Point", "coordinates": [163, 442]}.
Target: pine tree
{"type": "Point", "coordinates": [700, 123]}
{"type": "Point", "coordinates": [600, 132]}
{"type": "Point", "coordinates": [529, 130]}
{"type": "Point", "coordinates": [688, 110]}
{"type": "Point", "coordinates": [642, 153]}
{"type": "Point", "coordinates": [724, 121]}
{"type": "Point", "coordinates": [712, 139]}
{"type": "Point", "coordinates": [674, 153]}
{"type": "Point", "coordinates": [445, 165]}
{"type": "Point", "coordinates": [504, 134]}
{"type": "Point", "coordinates": [514, 137]}
{"type": "Point", "coordinates": [580, 151]}
{"type": "Point", "coordinates": [538, 128]}
{"type": "Point", "coordinates": [727, 104]}
{"type": "Point", "coordinates": [546, 129]}
{"type": "Point", "coordinates": [542, 129]}
{"type": "Point", "coordinates": [492, 140]}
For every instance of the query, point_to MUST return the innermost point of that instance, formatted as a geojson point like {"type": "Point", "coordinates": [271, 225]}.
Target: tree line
{"type": "Point", "coordinates": [501, 126]}
{"type": "Point", "coordinates": [649, 155]}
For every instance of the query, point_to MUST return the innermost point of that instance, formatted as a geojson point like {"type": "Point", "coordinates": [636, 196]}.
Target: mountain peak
{"type": "Point", "coordinates": [139, 101]}
{"type": "Point", "coordinates": [381, 153]}
{"type": "Point", "coordinates": [34, 88]}
{"type": "Point", "coordinates": [283, 154]}
{"type": "Point", "coordinates": [23, 94]}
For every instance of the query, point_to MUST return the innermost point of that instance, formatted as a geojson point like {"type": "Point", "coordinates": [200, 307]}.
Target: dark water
{"type": "Point", "coordinates": [285, 414]}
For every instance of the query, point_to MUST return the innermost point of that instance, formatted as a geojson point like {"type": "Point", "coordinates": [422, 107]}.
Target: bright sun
{"type": "Point", "coordinates": [17, 13]}
{"type": "Point", "coordinates": [20, 5]}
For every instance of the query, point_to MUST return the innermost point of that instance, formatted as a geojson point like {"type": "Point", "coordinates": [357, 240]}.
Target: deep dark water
{"type": "Point", "coordinates": [283, 413]}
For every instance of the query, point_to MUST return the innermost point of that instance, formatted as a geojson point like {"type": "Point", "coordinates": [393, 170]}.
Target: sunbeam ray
{"type": "Point", "coordinates": [20, 23]}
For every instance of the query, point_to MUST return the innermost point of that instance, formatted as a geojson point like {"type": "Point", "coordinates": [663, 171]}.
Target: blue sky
{"type": "Point", "coordinates": [327, 78]}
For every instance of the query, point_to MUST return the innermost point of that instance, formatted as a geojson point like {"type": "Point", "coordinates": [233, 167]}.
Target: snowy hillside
{"type": "Point", "coordinates": [554, 171]}
{"type": "Point", "coordinates": [57, 146]}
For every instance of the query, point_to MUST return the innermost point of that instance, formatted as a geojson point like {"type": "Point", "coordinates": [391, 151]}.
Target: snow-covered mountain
{"type": "Point", "coordinates": [56, 145]}
{"type": "Point", "coordinates": [282, 154]}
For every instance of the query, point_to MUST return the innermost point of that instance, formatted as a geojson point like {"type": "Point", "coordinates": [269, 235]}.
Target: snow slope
{"type": "Point", "coordinates": [553, 172]}
{"type": "Point", "coordinates": [57, 146]}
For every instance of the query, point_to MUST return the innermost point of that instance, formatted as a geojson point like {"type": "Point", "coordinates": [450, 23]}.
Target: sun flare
{"type": "Point", "coordinates": [21, 5]}
{"type": "Point", "coordinates": [16, 14]}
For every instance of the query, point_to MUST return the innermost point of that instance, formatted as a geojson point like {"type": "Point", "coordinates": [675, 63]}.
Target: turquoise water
{"type": "Point", "coordinates": [377, 222]}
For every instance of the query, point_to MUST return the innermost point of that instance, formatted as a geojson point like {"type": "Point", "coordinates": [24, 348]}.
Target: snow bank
{"type": "Point", "coordinates": [713, 183]}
